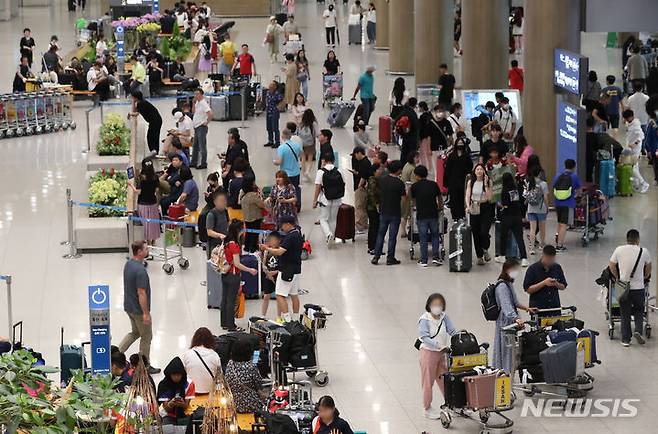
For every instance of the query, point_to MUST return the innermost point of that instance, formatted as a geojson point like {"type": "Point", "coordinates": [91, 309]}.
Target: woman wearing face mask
{"type": "Point", "coordinates": [478, 204]}
{"type": "Point", "coordinates": [457, 167]}
{"type": "Point", "coordinates": [434, 330]}
{"type": "Point", "coordinates": [509, 306]}
{"type": "Point", "coordinates": [439, 131]}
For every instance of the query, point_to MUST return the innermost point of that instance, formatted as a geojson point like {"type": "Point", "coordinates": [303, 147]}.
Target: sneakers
{"type": "Point", "coordinates": [432, 414]}
{"type": "Point", "coordinates": [330, 239]}
{"type": "Point", "coordinates": [644, 188]}
{"type": "Point", "coordinates": [392, 261]}
{"type": "Point", "coordinates": [375, 260]}
{"type": "Point", "coordinates": [556, 239]}
{"type": "Point", "coordinates": [499, 259]}
{"type": "Point", "coordinates": [422, 264]}
{"type": "Point", "coordinates": [524, 262]}
{"type": "Point", "coordinates": [371, 252]}
{"type": "Point", "coordinates": [625, 344]}
{"type": "Point", "coordinates": [153, 371]}
{"type": "Point", "coordinates": [487, 256]}
{"type": "Point", "coordinates": [639, 338]}
{"type": "Point", "coordinates": [560, 249]}
{"type": "Point", "coordinates": [532, 252]}
{"type": "Point", "coordinates": [480, 261]}
{"type": "Point", "coordinates": [437, 261]}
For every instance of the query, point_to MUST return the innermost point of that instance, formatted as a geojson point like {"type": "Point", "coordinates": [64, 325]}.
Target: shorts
{"type": "Point", "coordinates": [564, 214]}
{"type": "Point", "coordinates": [267, 285]}
{"type": "Point", "coordinates": [536, 217]}
{"type": "Point", "coordinates": [309, 152]}
{"type": "Point", "coordinates": [284, 289]}
{"type": "Point", "coordinates": [614, 121]}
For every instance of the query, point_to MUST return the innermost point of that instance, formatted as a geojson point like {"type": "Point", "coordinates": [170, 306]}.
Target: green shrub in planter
{"type": "Point", "coordinates": [114, 136]}
{"type": "Point", "coordinates": [108, 187]}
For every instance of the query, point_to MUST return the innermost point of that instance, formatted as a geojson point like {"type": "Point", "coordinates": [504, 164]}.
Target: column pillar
{"type": "Point", "coordinates": [381, 6]}
{"type": "Point", "coordinates": [433, 37]}
{"type": "Point", "coordinates": [548, 25]}
{"type": "Point", "coordinates": [485, 41]}
{"type": "Point", "coordinates": [401, 37]}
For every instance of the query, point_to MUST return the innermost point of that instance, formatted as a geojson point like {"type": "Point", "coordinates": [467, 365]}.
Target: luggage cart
{"type": "Point", "coordinates": [332, 89]}
{"type": "Point", "coordinates": [40, 108]}
{"type": "Point", "coordinates": [31, 113]}
{"type": "Point", "coordinates": [49, 111]}
{"type": "Point", "coordinates": [547, 317]}
{"type": "Point", "coordinates": [12, 115]}
{"type": "Point", "coordinates": [414, 237]}
{"type": "Point", "coordinates": [23, 128]}
{"type": "Point", "coordinates": [4, 127]}
{"type": "Point", "coordinates": [613, 314]}
{"type": "Point", "coordinates": [587, 215]}
{"type": "Point", "coordinates": [503, 402]}
{"type": "Point", "coordinates": [67, 115]}
{"type": "Point", "coordinates": [171, 249]}
{"type": "Point", "coordinates": [578, 387]}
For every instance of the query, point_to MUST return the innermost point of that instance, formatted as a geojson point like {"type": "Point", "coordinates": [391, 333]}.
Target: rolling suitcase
{"type": "Point", "coordinates": [481, 389]}
{"type": "Point", "coordinates": [440, 169]}
{"type": "Point", "coordinates": [235, 107]}
{"type": "Point", "coordinates": [340, 114]}
{"type": "Point", "coordinates": [532, 343]}
{"type": "Point", "coordinates": [250, 283]}
{"type": "Point", "coordinates": [454, 389]}
{"type": "Point", "coordinates": [607, 178]}
{"type": "Point", "coordinates": [219, 107]}
{"type": "Point", "coordinates": [558, 336]}
{"type": "Point", "coordinates": [214, 286]}
{"type": "Point", "coordinates": [354, 30]}
{"type": "Point", "coordinates": [345, 223]}
{"type": "Point", "coordinates": [625, 185]}
{"type": "Point", "coordinates": [559, 362]}
{"type": "Point", "coordinates": [385, 130]}
{"type": "Point", "coordinates": [460, 253]}
{"type": "Point", "coordinates": [588, 338]}
{"type": "Point", "coordinates": [71, 357]}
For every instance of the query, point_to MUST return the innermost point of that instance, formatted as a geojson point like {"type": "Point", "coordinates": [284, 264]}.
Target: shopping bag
{"type": "Point", "coordinates": [240, 304]}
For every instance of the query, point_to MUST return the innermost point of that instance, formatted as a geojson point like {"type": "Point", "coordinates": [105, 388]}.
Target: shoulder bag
{"type": "Point", "coordinates": [622, 287]}
{"type": "Point", "coordinates": [418, 342]}
{"type": "Point", "coordinates": [204, 364]}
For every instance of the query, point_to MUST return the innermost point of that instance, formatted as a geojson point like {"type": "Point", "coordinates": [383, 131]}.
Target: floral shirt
{"type": "Point", "coordinates": [271, 101]}
{"type": "Point", "coordinates": [244, 380]}
{"type": "Point", "coordinates": [282, 209]}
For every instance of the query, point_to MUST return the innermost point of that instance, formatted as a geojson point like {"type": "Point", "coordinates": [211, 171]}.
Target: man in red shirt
{"type": "Point", "coordinates": [515, 76]}
{"type": "Point", "coordinates": [245, 63]}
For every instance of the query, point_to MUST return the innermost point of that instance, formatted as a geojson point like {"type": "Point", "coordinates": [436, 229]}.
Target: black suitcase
{"type": "Point", "coordinates": [532, 343]}
{"type": "Point", "coordinates": [235, 107]}
{"type": "Point", "coordinates": [454, 388]}
{"type": "Point", "coordinates": [460, 254]}
{"type": "Point", "coordinates": [532, 374]}
{"type": "Point", "coordinates": [71, 357]}
{"type": "Point", "coordinates": [304, 357]}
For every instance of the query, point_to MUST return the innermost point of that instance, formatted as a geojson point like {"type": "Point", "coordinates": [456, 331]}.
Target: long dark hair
{"type": "Point", "coordinates": [533, 162]}
{"type": "Point", "coordinates": [531, 175]}
{"type": "Point", "coordinates": [147, 173]}
{"type": "Point", "coordinates": [328, 402]}
{"type": "Point", "coordinates": [234, 232]}
{"type": "Point", "coordinates": [508, 182]}
{"type": "Point", "coordinates": [504, 273]}
{"type": "Point", "coordinates": [520, 142]}
{"type": "Point", "coordinates": [308, 118]}
{"type": "Point", "coordinates": [331, 52]}
{"type": "Point", "coordinates": [472, 177]}
{"type": "Point", "coordinates": [398, 90]}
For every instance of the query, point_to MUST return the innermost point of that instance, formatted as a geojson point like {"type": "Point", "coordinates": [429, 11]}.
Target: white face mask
{"type": "Point", "coordinates": [436, 310]}
{"type": "Point", "coordinates": [514, 274]}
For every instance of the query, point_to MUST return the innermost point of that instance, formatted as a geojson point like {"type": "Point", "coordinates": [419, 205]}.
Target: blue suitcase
{"type": "Point", "coordinates": [559, 362]}
{"type": "Point", "coordinates": [71, 357]}
{"type": "Point", "coordinates": [607, 178]}
{"type": "Point", "coordinates": [214, 286]}
{"type": "Point", "coordinates": [562, 336]}
{"type": "Point", "coordinates": [589, 338]}
{"type": "Point", "coordinates": [249, 282]}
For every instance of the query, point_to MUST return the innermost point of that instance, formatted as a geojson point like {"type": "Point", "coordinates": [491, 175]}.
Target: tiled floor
{"type": "Point", "coordinates": [367, 346]}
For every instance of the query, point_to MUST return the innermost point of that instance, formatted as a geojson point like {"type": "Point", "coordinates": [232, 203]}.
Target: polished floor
{"type": "Point", "coordinates": [367, 345]}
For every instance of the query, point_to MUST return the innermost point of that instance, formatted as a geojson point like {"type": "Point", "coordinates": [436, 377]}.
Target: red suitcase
{"type": "Point", "coordinates": [440, 168]}
{"type": "Point", "coordinates": [385, 130]}
{"type": "Point", "coordinates": [345, 223]}
{"type": "Point", "coordinates": [176, 211]}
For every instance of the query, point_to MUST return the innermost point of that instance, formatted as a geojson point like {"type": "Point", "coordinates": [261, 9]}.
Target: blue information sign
{"type": "Point", "coordinates": [118, 33]}
{"type": "Point", "coordinates": [99, 328]}
{"type": "Point", "coordinates": [570, 136]}
{"type": "Point", "coordinates": [156, 6]}
{"type": "Point", "coordinates": [570, 71]}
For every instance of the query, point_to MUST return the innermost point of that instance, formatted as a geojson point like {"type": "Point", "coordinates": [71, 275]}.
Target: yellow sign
{"type": "Point", "coordinates": [502, 397]}
{"type": "Point", "coordinates": [460, 363]}
{"type": "Point", "coordinates": [549, 321]}
{"type": "Point", "coordinates": [586, 343]}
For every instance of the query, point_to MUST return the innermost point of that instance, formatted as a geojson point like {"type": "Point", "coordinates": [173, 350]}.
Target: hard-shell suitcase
{"type": "Point", "coordinates": [249, 282]}
{"type": "Point", "coordinates": [624, 175]}
{"type": "Point", "coordinates": [214, 286]}
{"type": "Point", "coordinates": [385, 130]}
{"type": "Point", "coordinates": [559, 362]}
{"type": "Point", "coordinates": [481, 390]}
{"type": "Point", "coordinates": [71, 357]}
{"type": "Point", "coordinates": [558, 336]}
{"type": "Point", "coordinates": [460, 253]}
{"type": "Point", "coordinates": [219, 107]}
{"type": "Point", "coordinates": [354, 34]}
{"type": "Point", "coordinates": [345, 223]}
{"type": "Point", "coordinates": [440, 169]}
{"type": "Point", "coordinates": [340, 114]}
{"type": "Point", "coordinates": [454, 388]}
{"type": "Point", "coordinates": [235, 107]}
{"type": "Point", "coordinates": [588, 338]}
{"type": "Point", "coordinates": [607, 178]}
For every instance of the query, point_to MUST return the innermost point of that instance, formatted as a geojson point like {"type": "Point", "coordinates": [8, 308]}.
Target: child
{"type": "Point", "coordinates": [174, 393]}
{"type": "Point", "coordinates": [270, 272]}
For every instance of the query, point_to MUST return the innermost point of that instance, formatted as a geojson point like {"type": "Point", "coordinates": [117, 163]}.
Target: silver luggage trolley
{"type": "Point", "coordinates": [67, 115]}
{"type": "Point", "coordinates": [23, 127]}
{"type": "Point", "coordinates": [11, 108]}
{"type": "Point", "coordinates": [31, 112]}
{"type": "Point", "coordinates": [4, 126]}
{"type": "Point", "coordinates": [51, 122]}
{"type": "Point", "coordinates": [41, 119]}
{"type": "Point", "coordinates": [332, 89]}
{"type": "Point", "coordinates": [171, 249]}
{"type": "Point", "coordinates": [613, 315]}
{"type": "Point", "coordinates": [578, 387]}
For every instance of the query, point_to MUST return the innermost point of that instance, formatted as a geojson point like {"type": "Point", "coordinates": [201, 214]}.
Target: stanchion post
{"type": "Point", "coordinates": [243, 98]}
{"type": "Point", "coordinates": [88, 133]}
{"type": "Point", "coordinates": [73, 250]}
{"type": "Point", "coordinates": [10, 320]}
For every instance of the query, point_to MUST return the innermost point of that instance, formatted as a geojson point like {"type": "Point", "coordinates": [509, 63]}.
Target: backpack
{"type": "Point", "coordinates": [534, 197]}
{"type": "Point", "coordinates": [228, 54]}
{"type": "Point", "coordinates": [477, 123]}
{"type": "Point", "coordinates": [333, 184]}
{"type": "Point", "coordinates": [218, 259]}
{"type": "Point", "coordinates": [402, 125]}
{"type": "Point", "coordinates": [280, 424]}
{"type": "Point", "coordinates": [490, 307]}
{"type": "Point", "coordinates": [563, 186]}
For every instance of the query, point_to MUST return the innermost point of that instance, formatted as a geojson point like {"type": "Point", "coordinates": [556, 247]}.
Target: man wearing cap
{"type": "Point", "coordinates": [184, 131]}
{"type": "Point", "coordinates": [361, 171]}
{"type": "Point", "coordinates": [366, 86]}
{"type": "Point", "coordinates": [290, 267]}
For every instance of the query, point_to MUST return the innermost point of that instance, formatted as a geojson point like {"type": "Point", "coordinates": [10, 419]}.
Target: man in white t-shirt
{"type": "Point", "coordinates": [638, 103]}
{"type": "Point", "coordinates": [202, 115]}
{"type": "Point", "coordinates": [457, 121]}
{"type": "Point", "coordinates": [329, 16]}
{"type": "Point", "coordinates": [506, 118]}
{"type": "Point", "coordinates": [329, 192]}
{"type": "Point", "coordinates": [184, 131]}
{"type": "Point", "coordinates": [622, 263]}
{"type": "Point", "coordinates": [97, 80]}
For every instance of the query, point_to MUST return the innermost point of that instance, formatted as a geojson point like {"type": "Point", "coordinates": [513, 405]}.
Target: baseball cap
{"type": "Point", "coordinates": [178, 116]}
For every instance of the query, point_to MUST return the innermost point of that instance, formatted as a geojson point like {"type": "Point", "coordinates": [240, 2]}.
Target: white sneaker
{"type": "Point", "coordinates": [499, 259]}
{"type": "Point", "coordinates": [328, 239]}
{"type": "Point", "coordinates": [645, 188]}
{"type": "Point", "coordinates": [524, 262]}
{"type": "Point", "coordinates": [433, 414]}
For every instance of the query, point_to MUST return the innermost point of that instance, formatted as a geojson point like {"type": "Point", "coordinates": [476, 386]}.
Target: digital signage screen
{"type": "Point", "coordinates": [570, 71]}
{"type": "Point", "coordinates": [571, 130]}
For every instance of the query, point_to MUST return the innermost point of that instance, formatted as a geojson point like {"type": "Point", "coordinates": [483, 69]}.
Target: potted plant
{"type": "Point", "coordinates": [108, 187]}
{"type": "Point", "coordinates": [114, 137]}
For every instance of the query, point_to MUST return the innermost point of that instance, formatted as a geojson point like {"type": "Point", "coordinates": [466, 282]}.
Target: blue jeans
{"type": "Point", "coordinates": [368, 108]}
{"type": "Point", "coordinates": [431, 227]}
{"type": "Point", "coordinates": [272, 123]}
{"type": "Point", "coordinates": [633, 305]}
{"type": "Point", "coordinates": [304, 84]}
{"type": "Point", "coordinates": [371, 29]}
{"type": "Point", "coordinates": [390, 223]}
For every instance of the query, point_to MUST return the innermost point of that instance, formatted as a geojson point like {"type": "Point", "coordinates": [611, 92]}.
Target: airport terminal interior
{"type": "Point", "coordinates": [367, 345]}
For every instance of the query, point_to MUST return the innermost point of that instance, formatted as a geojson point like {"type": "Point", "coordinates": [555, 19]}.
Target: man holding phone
{"type": "Point", "coordinates": [543, 280]}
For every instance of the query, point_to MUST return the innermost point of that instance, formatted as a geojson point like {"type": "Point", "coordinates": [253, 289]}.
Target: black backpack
{"type": "Point", "coordinates": [464, 343]}
{"type": "Point", "coordinates": [280, 424]}
{"type": "Point", "coordinates": [563, 187]}
{"type": "Point", "coordinates": [333, 184]}
{"type": "Point", "coordinates": [490, 307]}
{"type": "Point", "coordinates": [477, 123]}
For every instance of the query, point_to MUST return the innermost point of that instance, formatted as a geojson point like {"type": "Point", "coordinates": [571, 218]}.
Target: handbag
{"type": "Point", "coordinates": [475, 207]}
{"type": "Point", "coordinates": [240, 304]}
{"type": "Point", "coordinates": [622, 287]}
{"type": "Point", "coordinates": [418, 342]}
